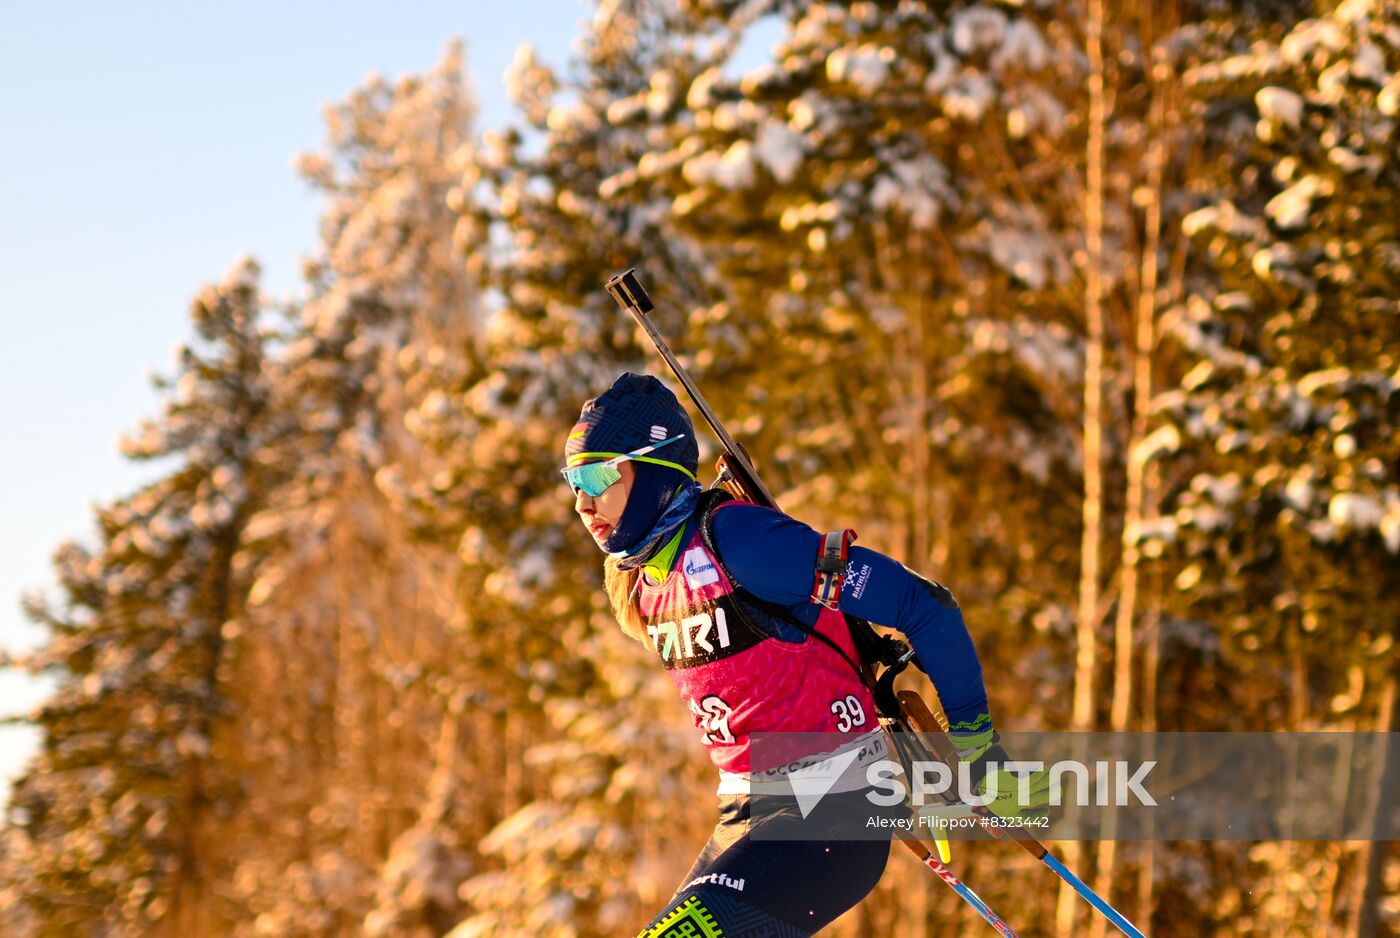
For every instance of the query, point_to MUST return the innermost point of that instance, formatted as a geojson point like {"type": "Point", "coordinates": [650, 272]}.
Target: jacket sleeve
{"type": "Point", "coordinates": [774, 557]}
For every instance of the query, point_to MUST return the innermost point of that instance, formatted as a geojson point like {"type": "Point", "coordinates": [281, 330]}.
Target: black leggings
{"type": "Point", "coordinates": [752, 880]}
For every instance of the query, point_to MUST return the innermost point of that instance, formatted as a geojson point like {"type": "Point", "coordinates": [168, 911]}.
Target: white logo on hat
{"type": "Point", "coordinates": [658, 433]}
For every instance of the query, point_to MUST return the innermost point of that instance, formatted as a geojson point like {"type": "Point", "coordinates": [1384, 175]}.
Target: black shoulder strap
{"type": "Point", "coordinates": [711, 500]}
{"type": "Point", "coordinates": [872, 647]}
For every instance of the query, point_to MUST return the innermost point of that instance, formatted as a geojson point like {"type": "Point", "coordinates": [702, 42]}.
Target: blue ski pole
{"type": "Point", "coordinates": [1093, 898]}
{"type": "Point", "coordinates": [924, 720]}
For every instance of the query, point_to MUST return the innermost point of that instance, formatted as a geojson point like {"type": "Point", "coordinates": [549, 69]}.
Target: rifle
{"type": "Point", "coordinates": [904, 715]}
{"type": "Point", "coordinates": [735, 473]}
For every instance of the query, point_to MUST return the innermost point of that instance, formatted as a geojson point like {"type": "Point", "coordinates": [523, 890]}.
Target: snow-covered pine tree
{"type": "Point", "coordinates": [590, 845]}
{"type": "Point", "coordinates": [348, 689]}
{"type": "Point", "coordinates": [112, 829]}
{"type": "Point", "coordinates": [384, 283]}
{"type": "Point", "coordinates": [1286, 500]}
{"type": "Point", "coordinates": [1291, 403]}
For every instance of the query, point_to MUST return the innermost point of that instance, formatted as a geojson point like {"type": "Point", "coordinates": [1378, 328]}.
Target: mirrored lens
{"type": "Point", "coordinates": [592, 478]}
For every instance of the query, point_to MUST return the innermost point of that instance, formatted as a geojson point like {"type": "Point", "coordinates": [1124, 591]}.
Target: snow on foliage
{"type": "Point", "coordinates": [423, 871]}
{"type": "Point", "coordinates": [1031, 109]}
{"type": "Point", "coordinates": [1152, 535]}
{"type": "Point", "coordinates": [1325, 35]}
{"type": "Point", "coordinates": [700, 95]}
{"type": "Point", "coordinates": [1047, 350]}
{"type": "Point", "coordinates": [969, 97]}
{"type": "Point", "coordinates": [1223, 490]}
{"type": "Point", "coordinates": [662, 94]}
{"type": "Point", "coordinates": [1228, 219]}
{"type": "Point", "coordinates": [779, 149]}
{"type": "Point", "coordinates": [866, 66]}
{"type": "Point", "coordinates": [978, 28]}
{"type": "Point", "coordinates": [1388, 100]}
{"type": "Point", "coordinates": [1022, 47]}
{"type": "Point", "coordinates": [733, 169]}
{"type": "Point", "coordinates": [529, 83]}
{"type": "Point", "coordinates": [1254, 64]}
{"type": "Point", "coordinates": [1280, 104]}
{"type": "Point", "coordinates": [1022, 253]}
{"type": "Point", "coordinates": [1353, 510]}
{"type": "Point", "coordinates": [918, 188]}
{"type": "Point", "coordinates": [1290, 208]}
{"type": "Point", "coordinates": [535, 823]}
{"type": "Point", "coordinates": [1165, 439]}
{"type": "Point", "coordinates": [1190, 324]}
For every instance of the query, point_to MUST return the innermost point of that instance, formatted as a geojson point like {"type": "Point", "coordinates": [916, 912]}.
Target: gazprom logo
{"type": "Point", "coordinates": [699, 569]}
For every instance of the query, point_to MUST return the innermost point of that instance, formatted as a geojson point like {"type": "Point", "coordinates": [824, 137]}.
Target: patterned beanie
{"type": "Point", "coordinates": [636, 411]}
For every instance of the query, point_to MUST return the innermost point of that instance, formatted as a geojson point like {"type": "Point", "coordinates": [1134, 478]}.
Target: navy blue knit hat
{"type": "Point", "coordinates": [636, 411]}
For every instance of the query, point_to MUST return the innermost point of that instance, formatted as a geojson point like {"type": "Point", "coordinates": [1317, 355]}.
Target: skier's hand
{"type": "Point", "coordinates": [1020, 797]}
{"type": "Point", "coordinates": [1010, 793]}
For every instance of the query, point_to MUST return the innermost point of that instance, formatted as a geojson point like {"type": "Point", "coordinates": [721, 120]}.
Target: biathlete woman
{"type": "Point", "coordinates": [723, 594]}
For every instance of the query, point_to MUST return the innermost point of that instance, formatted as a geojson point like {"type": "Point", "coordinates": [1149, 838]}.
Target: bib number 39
{"type": "Point", "coordinates": [713, 713]}
{"type": "Point", "coordinates": [849, 713]}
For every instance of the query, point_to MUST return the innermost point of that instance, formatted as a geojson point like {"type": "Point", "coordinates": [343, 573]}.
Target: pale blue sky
{"type": "Point", "coordinates": [143, 146]}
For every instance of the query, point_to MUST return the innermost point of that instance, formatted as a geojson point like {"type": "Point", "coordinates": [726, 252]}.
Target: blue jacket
{"type": "Point", "coordinates": [774, 556]}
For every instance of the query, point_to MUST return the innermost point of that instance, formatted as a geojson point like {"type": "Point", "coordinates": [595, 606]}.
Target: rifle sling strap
{"type": "Point", "coordinates": [859, 628]}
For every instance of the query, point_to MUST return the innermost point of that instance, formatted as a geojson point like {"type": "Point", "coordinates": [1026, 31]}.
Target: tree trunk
{"type": "Point", "coordinates": [1086, 627]}
{"type": "Point", "coordinates": [1136, 507]}
{"type": "Point", "coordinates": [1368, 919]}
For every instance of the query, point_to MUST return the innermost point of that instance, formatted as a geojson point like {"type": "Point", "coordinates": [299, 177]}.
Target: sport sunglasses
{"type": "Point", "coordinates": [594, 478]}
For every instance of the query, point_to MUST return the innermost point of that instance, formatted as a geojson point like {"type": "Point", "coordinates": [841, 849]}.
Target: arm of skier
{"type": "Point", "coordinates": [773, 556]}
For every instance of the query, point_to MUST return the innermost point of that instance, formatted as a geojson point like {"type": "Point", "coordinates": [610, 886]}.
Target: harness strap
{"type": "Point", "coordinates": [712, 499]}
{"type": "Point", "coordinates": [830, 574]}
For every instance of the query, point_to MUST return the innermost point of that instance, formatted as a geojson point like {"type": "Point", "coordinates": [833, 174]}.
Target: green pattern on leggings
{"type": "Point", "coordinates": [690, 919]}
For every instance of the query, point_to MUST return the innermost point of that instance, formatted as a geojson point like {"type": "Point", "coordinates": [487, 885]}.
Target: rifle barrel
{"type": "Point", "coordinates": [630, 296]}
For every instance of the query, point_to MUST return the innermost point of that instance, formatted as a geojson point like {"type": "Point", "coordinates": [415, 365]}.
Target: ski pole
{"type": "Point", "coordinates": [1093, 898]}
{"type": "Point", "coordinates": [927, 858]}
{"type": "Point", "coordinates": [905, 744]}
{"type": "Point", "coordinates": [1042, 853]}
{"type": "Point", "coordinates": [924, 720]}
